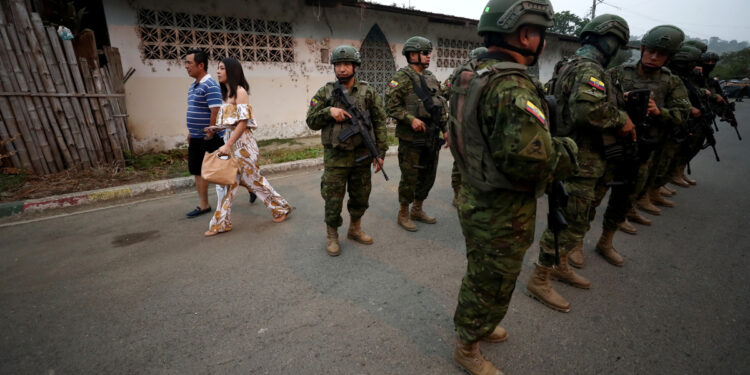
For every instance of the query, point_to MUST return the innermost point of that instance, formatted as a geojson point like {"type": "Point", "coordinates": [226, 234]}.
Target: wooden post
{"type": "Point", "coordinates": [101, 126]}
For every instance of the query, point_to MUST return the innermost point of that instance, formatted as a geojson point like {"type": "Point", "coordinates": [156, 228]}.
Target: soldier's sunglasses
{"type": "Point", "coordinates": [425, 53]}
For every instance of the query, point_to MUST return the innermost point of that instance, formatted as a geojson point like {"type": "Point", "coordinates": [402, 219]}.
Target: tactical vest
{"type": "Point", "coordinates": [330, 134]}
{"type": "Point", "coordinates": [561, 92]}
{"type": "Point", "coordinates": [658, 84]}
{"type": "Point", "coordinates": [468, 144]}
{"type": "Point", "coordinates": [412, 102]}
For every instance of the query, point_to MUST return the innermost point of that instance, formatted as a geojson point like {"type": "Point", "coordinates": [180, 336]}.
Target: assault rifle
{"type": "Point", "coordinates": [625, 153]}
{"type": "Point", "coordinates": [360, 125]}
{"type": "Point", "coordinates": [728, 116]}
{"type": "Point", "coordinates": [431, 142]}
{"type": "Point", "coordinates": [557, 195]}
{"type": "Point", "coordinates": [706, 118]}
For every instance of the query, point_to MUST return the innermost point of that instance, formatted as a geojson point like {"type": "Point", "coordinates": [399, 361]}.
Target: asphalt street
{"type": "Point", "coordinates": [138, 289]}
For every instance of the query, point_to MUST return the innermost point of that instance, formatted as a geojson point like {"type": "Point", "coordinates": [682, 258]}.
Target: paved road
{"type": "Point", "coordinates": [137, 289]}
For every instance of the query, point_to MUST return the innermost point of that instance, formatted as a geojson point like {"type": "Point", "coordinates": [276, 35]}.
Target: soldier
{"type": "Point", "coordinates": [455, 174]}
{"type": "Point", "coordinates": [583, 113]}
{"type": "Point", "coordinates": [413, 99]}
{"type": "Point", "coordinates": [507, 157]}
{"type": "Point", "coordinates": [668, 107]}
{"type": "Point", "coordinates": [346, 162]}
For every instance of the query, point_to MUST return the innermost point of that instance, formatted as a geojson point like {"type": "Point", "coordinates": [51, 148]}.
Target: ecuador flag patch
{"type": "Point", "coordinates": [597, 84]}
{"type": "Point", "coordinates": [393, 84]}
{"type": "Point", "coordinates": [313, 102]}
{"type": "Point", "coordinates": [534, 110]}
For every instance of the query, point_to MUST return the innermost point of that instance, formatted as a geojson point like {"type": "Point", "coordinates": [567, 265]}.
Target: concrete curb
{"type": "Point", "coordinates": [170, 186]}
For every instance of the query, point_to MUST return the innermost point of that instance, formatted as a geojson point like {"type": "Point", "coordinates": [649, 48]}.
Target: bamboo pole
{"type": "Point", "coordinates": [21, 159]}
{"type": "Point", "coordinates": [118, 85]}
{"type": "Point", "coordinates": [101, 126]}
{"type": "Point", "coordinates": [108, 118]}
{"type": "Point", "coordinates": [40, 42]}
{"type": "Point", "coordinates": [120, 119]}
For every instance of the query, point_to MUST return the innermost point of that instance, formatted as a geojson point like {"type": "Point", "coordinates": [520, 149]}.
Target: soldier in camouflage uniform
{"type": "Point", "coordinates": [500, 138]}
{"type": "Point", "coordinates": [416, 129]}
{"type": "Point", "coordinates": [342, 172]}
{"type": "Point", "coordinates": [583, 113]}
{"type": "Point", "coordinates": [446, 91]}
{"type": "Point", "coordinates": [668, 107]}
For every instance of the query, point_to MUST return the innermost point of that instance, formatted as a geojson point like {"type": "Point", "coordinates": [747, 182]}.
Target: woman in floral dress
{"type": "Point", "coordinates": [236, 117]}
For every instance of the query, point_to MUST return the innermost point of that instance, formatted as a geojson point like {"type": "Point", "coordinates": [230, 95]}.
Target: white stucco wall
{"type": "Point", "coordinates": [279, 92]}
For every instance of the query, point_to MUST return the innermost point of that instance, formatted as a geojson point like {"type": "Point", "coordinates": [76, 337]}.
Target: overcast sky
{"type": "Point", "coordinates": [727, 19]}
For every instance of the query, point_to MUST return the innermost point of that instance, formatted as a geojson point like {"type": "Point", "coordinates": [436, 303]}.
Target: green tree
{"type": "Point", "coordinates": [733, 65]}
{"type": "Point", "coordinates": [568, 23]}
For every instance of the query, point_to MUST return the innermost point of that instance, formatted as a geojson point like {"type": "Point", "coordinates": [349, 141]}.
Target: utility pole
{"type": "Point", "coordinates": [593, 10]}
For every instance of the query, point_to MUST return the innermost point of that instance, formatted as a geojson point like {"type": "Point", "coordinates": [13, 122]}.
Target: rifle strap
{"type": "Point", "coordinates": [421, 91]}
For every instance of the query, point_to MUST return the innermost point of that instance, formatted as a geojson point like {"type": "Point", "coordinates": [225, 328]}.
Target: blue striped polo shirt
{"type": "Point", "coordinates": [202, 96]}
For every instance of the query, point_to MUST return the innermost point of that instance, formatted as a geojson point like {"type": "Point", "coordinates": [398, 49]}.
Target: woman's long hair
{"type": "Point", "coordinates": [235, 77]}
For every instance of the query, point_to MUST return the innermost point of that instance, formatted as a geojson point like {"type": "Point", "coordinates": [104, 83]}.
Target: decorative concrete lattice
{"type": "Point", "coordinates": [378, 65]}
{"type": "Point", "coordinates": [451, 53]}
{"type": "Point", "coordinates": [168, 36]}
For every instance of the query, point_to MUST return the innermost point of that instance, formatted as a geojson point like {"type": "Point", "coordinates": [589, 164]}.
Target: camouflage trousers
{"type": "Point", "coordinates": [417, 174]}
{"type": "Point", "coordinates": [690, 148]}
{"type": "Point", "coordinates": [498, 231]}
{"type": "Point", "coordinates": [455, 177]}
{"type": "Point", "coordinates": [664, 163]}
{"type": "Point", "coordinates": [620, 199]}
{"type": "Point", "coordinates": [641, 185]}
{"type": "Point", "coordinates": [338, 180]}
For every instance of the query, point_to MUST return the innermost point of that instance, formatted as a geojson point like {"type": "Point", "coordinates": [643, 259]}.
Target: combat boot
{"type": "Point", "coordinates": [471, 359]}
{"type": "Point", "coordinates": [645, 204]}
{"type": "Point", "coordinates": [667, 192]}
{"type": "Point", "coordinates": [499, 334]}
{"type": "Point", "coordinates": [658, 199]}
{"type": "Point", "coordinates": [540, 289]}
{"type": "Point", "coordinates": [628, 228]}
{"type": "Point", "coordinates": [332, 241]}
{"type": "Point", "coordinates": [355, 233]}
{"type": "Point", "coordinates": [677, 180]}
{"type": "Point", "coordinates": [605, 248]}
{"type": "Point", "coordinates": [686, 178]}
{"type": "Point", "coordinates": [563, 273]}
{"type": "Point", "coordinates": [403, 219]}
{"type": "Point", "coordinates": [575, 256]}
{"type": "Point", "coordinates": [418, 214]}
{"type": "Point", "coordinates": [636, 217]}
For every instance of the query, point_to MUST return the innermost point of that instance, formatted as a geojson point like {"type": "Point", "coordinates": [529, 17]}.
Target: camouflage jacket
{"type": "Point", "coordinates": [582, 100]}
{"type": "Point", "coordinates": [403, 104]}
{"type": "Point", "coordinates": [514, 117]}
{"type": "Point", "coordinates": [667, 90]}
{"type": "Point", "coordinates": [319, 118]}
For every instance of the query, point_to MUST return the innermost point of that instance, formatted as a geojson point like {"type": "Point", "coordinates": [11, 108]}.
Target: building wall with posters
{"type": "Point", "coordinates": [284, 48]}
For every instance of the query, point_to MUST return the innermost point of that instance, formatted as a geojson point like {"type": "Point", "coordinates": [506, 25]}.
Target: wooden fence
{"type": "Point", "coordinates": [57, 111]}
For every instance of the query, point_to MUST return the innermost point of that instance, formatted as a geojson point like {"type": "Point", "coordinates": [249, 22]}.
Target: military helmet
{"type": "Point", "coordinates": [416, 44]}
{"type": "Point", "coordinates": [478, 51]}
{"type": "Point", "coordinates": [687, 54]}
{"type": "Point", "coordinates": [345, 53]}
{"type": "Point", "coordinates": [709, 56]}
{"type": "Point", "coordinates": [506, 16]}
{"type": "Point", "coordinates": [667, 38]}
{"type": "Point", "coordinates": [608, 24]}
{"type": "Point", "coordinates": [697, 44]}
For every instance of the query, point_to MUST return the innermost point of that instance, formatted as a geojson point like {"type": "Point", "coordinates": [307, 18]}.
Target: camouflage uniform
{"type": "Point", "coordinates": [583, 101]}
{"type": "Point", "coordinates": [403, 105]}
{"type": "Point", "coordinates": [340, 166]}
{"type": "Point", "coordinates": [671, 97]}
{"type": "Point", "coordinates": [499, 225]}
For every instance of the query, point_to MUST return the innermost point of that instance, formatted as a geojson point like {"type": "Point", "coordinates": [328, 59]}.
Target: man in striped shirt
{"type": "Point", "coordinates": [204, 100]}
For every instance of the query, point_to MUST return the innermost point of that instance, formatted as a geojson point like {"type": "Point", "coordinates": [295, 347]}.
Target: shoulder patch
{"type": "Point", "coordinates": [597, 84]}
{"type": "Point", "coordinates": [393, 83]}
{"type": "Point", "coordinates": [536, 112]}
{"type": "Point", "coordinates": [313, 102]}
{"type": "Point", "coordinates": [535, 149]}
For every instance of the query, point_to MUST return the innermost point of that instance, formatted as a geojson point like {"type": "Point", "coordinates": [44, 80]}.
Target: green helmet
{"type": "Point", "coordinates": [506, 16]}
{"type": "Point", "coordinates": [667, 38]}
{"type": "Point", "coordinates": [608, 24]}
{"type": "Point", "coordinates": [687, 54]}
{"type": "Point", "coordinates": [345, 54]}
{"type": "Point", "coordinates": [416, 44]}
{"type": "Point", "coordinates": [697, 44]}
{"type": "Point", "coordinates": [478, 51]}
{"type": "Point", "coordinates": [709, 56]}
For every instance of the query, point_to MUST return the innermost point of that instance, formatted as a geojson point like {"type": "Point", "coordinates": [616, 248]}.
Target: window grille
{"type": "Point", "coordinates": [452, 52]}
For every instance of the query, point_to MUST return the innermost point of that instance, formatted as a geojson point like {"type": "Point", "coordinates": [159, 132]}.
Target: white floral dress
{"type": "Point", "coordinates": [245, 150]}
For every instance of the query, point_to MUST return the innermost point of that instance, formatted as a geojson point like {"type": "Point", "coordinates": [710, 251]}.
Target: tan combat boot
{"type": "Point", "coordinates": [636, 217]}
{"type": "Point", "coordinates": [332, 241]}
{"type": "Point", "coordinates": [575, 256]}
{"type": "Point", "coordinates": [658, 199]}
{"type": "Point", "coordinates": [471, 359]}
{"type": "Point", "coordinates": [356, 233]}
{"type": "Point", "coordinates": [605, 248]}
{"type": "Point", "coordinates": [563, 273]}
{"type": "Point", "coordinates": [418, 214]}
{"type": "Point", "coordinates": [499, 334]}
{"type": "Point", "coordinates": [666, 191]}
{"type": "Point", "coordinates": [540, 289]}
{"type": "Point", "coordinates": [628, 228]}
{"type": "Point", "coordinates": [403, 219]}
{"type": "Point", "coordinates": [686, 178]}
{"type": "Point", "coordinates": [645, 204]}
{"type": "Point", "coordinates": [677, 180]}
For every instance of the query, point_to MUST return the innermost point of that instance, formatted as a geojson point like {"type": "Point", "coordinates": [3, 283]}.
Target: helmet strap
{"type": "Point", "coordinates": [500, 42]}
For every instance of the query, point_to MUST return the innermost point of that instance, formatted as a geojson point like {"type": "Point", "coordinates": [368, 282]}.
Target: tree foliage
{"type": "Point", "coordinates": [568, 23]}
{"type": "Point", "coordinates": [733, 65]}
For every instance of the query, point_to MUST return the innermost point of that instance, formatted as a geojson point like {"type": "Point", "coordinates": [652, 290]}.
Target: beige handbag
{"type": "Point", "coordinates": [219, 169]}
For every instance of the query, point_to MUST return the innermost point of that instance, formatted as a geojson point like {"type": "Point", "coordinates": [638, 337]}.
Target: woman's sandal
{"type": "Point", "coordinates": [283, 217]}
{"type": "Point", "coordinates": [212, 233]}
